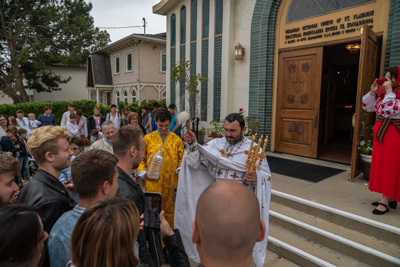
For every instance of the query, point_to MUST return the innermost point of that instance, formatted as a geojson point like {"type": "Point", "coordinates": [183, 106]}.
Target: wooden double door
{"type": "Point", "coordinates": [298, 98]}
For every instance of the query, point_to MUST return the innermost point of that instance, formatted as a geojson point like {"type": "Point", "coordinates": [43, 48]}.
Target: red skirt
{"type": "Point", "coordinates": [385, 166]}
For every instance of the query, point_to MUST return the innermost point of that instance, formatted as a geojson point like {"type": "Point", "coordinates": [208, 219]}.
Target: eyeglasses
{"type": "Point", "coordinates": [3, 120]}
{"type": "Point", "coordinates": [73, 148]}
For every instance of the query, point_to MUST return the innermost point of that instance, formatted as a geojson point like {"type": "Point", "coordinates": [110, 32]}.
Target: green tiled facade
{"type": "Point", "coordinates": [172, 84]}
{"type": "Point", "coordinates": [262, 52]}
{"type": "Point", "coordinates": [217, 77]}
{"type": "Point", "coordinates": [204, 73]}
{"type": "Point", "coordinates": [392, 55]}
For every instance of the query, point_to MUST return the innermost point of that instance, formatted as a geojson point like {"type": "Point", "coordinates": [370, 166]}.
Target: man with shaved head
{"type": "Point", "coordinates": [223, 159]}
{"type": "Point", "coordinates": [220, 215]}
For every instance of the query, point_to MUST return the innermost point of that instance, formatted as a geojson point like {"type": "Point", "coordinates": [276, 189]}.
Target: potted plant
{"type": "Point", "coordinates": [365, 150]}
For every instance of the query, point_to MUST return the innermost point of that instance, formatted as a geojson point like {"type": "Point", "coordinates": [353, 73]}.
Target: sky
{"type": "Point", "coordinates": [124, 13]}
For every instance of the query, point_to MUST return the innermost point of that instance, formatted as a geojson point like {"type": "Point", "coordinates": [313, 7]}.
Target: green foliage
{"type": "Point", "coordinates": [367, 144]}
{"type": "Point", "coordinates": [58, 108]}
{"type": "Point", "coordinates": [36, 34]}
{"type": "Point", "coordinates": [182, 73]}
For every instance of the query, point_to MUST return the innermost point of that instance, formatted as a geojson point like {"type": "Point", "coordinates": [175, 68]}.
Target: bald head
{"type": "Point", "coordinates": [228, 221]}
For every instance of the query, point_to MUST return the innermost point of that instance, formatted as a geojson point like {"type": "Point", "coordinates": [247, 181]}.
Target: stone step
{"type": "Point", "coordinates": [311, 234]}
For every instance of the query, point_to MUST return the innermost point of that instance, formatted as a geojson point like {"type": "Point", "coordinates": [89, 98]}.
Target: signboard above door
{"type": "Point", "coordinates": [333, 26]}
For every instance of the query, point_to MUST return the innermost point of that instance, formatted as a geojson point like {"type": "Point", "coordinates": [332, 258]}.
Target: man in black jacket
{"type": "Point", "coordinates": [128, 147]}
{"type": "Point", "coordinates": [50, 148]}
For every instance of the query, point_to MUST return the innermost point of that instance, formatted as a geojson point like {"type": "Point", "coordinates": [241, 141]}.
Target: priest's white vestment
{"type": "Point", "coordinates": [201, 166]}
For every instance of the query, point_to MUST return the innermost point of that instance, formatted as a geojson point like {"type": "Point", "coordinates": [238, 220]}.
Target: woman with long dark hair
{"type": "Point", "coordinates": [385, 167]}
{"type": "Point", "coordinates": [21, 236]}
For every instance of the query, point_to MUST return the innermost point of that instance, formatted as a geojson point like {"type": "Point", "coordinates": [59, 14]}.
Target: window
{"type": "Point", "coordinates": [117, 97]}
{"type": "Point", "coordinates": [116, 65]}
{"type": "Point", "coordinates": [193, 21]}
{"type": "Point", "coordinates": [173, 30]}
{"type": "Point", "coordinates": [206, 18]}
{"type": "Point", "coordinates": [163, 62]}
{"type": "Point", "coordinates": [164, 95]}
{"type": "Point", "coordinates": [183, 25]}
{"type": "Point", "coordinates": [303, 9]}
{"type": "Point", "coordinates": [101, 98]}
{"type": "Point", "coordinates": [133, 96]}
{"type": "Point", "coordinates": [125, 97]}
{"type": "Point", "coordinates": [129, 62]}
{"type": "Point", "coordinates": [218, 16]}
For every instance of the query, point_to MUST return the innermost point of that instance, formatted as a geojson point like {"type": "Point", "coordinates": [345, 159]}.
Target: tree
{"type": "Point", "coordinates": [182, 73]}
{"type": "Point", "coordinates": [34, 34]}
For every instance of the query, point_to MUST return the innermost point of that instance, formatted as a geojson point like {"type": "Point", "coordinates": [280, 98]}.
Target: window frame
{"type": "Point", "coordinates": [126, 61]}
{"type": "Point", "coordinates": [162, 54]}
{"type": "Point", "coordinates": [117, 67]}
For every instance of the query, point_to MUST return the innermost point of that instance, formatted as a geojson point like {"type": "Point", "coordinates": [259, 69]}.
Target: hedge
{"type": "Point", "coordinates": [59, 107]}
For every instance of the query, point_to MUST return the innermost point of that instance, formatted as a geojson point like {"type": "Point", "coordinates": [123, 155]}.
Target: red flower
{"type": "Point", "coordinates": [213, 137]}
{"type": "Point", "coordinates": [241, 109]}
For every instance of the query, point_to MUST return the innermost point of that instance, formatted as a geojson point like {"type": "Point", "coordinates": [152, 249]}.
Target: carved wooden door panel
{"type": "Point", "coordinates": [299, 89]}
{"type": "Point", "coordinates": [367, 71]}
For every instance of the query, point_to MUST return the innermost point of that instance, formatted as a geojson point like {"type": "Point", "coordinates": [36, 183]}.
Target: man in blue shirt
{"type": "Point", "coordinates": [95, 177]}
{"type": "Point", "coordinates": [47, 118]}
{"type": "Point", "coordinates": [174, 127]}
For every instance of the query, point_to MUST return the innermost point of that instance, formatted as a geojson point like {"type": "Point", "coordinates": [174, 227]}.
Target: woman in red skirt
{"type": "Point", "coordinates": [385, 166]}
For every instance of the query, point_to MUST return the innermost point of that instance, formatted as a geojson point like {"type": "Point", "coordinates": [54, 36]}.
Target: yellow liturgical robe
{"type": "Point", "coordinates": [172, 151]}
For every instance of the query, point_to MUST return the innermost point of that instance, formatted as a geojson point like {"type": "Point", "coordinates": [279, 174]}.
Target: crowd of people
{"type": "Point", "coordinates": [85, 207]}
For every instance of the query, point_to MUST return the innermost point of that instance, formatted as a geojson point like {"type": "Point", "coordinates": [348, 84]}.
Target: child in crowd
{"type": "Point", "coordinates": [23, 154]}
{"type": "Point", "coordinates": [95, 135]}
{"type": "Point", "coordinates": [13, 122]}
{"type": "Point", "coordinates": [33, 122]}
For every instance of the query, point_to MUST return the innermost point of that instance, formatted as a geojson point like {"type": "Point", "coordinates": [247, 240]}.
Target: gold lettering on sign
{"type": "Point", "coordinates": [329, 28]}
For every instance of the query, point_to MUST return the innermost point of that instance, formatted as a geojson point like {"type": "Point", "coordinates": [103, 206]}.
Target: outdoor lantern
{"type": "Point", "coordinates": [239, 51]}
{"type": "Point", "coordinates": [353, 48]}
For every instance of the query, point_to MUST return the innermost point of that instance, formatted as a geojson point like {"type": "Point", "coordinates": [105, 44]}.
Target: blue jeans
{"type": "Point", "coordinates": [24, 160]}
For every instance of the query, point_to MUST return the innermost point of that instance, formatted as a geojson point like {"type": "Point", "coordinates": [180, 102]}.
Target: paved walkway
{"type": "Point", "coordinates": [337, 191]}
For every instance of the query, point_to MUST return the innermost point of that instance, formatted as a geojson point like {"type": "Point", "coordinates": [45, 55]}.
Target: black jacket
{"type": "Point", "coordinates": [129, 189]}
{"type": "Point", "coordinates": [49, 195]}
{"type": "Point", "coordinates": [92, 123]}
{"type": "Point", "coordinates": [8, 146]}
{"type": "Point", "coordinates": [176, 251]}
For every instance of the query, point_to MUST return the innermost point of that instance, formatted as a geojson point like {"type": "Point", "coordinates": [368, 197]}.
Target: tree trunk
{"type": "Point", "coordinates": [19, 86]}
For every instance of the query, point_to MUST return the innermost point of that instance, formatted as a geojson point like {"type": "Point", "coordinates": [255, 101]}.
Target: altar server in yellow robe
{"type": "Point", "coordinates": [172, 147]}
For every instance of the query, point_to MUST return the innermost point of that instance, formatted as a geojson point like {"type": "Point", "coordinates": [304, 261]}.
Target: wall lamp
{"type": "Point", "coordinates": [239, 51]}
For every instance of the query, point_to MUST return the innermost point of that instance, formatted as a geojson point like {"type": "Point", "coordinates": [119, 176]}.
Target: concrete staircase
{"type": "Point", "coordinates": [312, 234]}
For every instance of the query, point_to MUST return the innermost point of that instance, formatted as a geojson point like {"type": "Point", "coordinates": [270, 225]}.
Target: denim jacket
{"type": "Point", "coordinates": [58, 243]}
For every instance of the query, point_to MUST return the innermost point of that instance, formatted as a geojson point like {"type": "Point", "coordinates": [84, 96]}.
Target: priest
{"type": "Point", "coordinates": [221, 159]}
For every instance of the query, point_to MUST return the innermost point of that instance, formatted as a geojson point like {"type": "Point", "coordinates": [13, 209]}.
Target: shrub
{"type": "Point", "coordinates": [58, 108]}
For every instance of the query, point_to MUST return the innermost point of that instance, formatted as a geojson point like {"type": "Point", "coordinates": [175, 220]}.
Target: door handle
{"type": "Point", "coordinates": [315, 120]}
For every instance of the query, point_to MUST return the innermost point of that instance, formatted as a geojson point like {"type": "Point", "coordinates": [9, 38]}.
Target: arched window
{"type": "Point", "coordinates": [303, 9]}
{"type": "Point", "coordinates": [133, 96]}
{"type": "Point", "coordinates": [164, 95]}
{"type": "Point", "coordinates": [173, 30]}
{"type": "Point", "coordinates": [219, 8]}
{"type": "Point", "coordinates": [125, 97]}
{"type": "Point", "coordinates": [206, 18]}
{"type": "Point", "coordinates": [193, 21]}
{"type": "Point", "coordinates": [183, 25]}
{"type": "Point", "coordinates": [117, 97]}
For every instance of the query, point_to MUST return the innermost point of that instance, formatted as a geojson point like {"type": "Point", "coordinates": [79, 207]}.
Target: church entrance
{"type": "Point", "coordinates": [319, 111]}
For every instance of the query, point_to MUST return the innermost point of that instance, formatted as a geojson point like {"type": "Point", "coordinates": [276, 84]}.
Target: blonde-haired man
{"type": "Point", "coordinates": [9, 166]}
{"type": "Point", "coordinates": [49, 146]}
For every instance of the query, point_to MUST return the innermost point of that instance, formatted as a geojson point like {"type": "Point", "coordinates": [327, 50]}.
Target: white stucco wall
{"type": "Point", "coordinates": [75, 89]}
{"type": "Point", "coordinates": [237, 18]}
